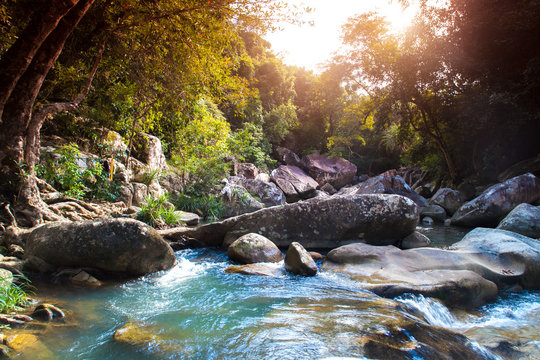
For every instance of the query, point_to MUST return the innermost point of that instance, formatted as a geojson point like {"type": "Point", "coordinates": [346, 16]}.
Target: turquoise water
{"type": "Point", "coordinates": [197, 311]}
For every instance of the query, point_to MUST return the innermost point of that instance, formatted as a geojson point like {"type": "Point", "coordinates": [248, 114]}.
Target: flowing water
{"type": "Point", "coordinates": [197, 311]}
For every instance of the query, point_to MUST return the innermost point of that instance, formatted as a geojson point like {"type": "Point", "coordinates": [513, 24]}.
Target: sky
{"type": "Point", "coordinates": [309, 46]}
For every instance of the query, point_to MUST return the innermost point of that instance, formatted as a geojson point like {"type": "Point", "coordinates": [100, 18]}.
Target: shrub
{"type": "Point", "coordinates": [156, 213]}
{"type": "Point", "coordinates": [209, 206]}
{"type": "Point", "coordinates": [13, 297]}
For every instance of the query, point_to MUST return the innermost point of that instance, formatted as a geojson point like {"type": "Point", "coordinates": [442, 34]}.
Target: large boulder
{"type": "Point", "coordinates": [335, 171]}
{"type": "Point", "coordinates": [115, 245]}
{"type": "Point", "coordinates": [385, 185]}
{"type": "Point", "coordinates": [317, 223]}
{"type": "Point", "coordinates": [246, 170]}
{"type": "Point", "coordinates": [524, 220]}
{"type": "Point", "coordinates": [450, 200]}
{"type": "Point", "coordinates": [531, 165]}
{"type": "Point", "coordinates": [147, 148]}
{"type": "Point", "coordinates": [254, 248]}
{"type": "Point", "coordinates": [266, 192]}
{"type": "Point", "coordinates": [469, 275]}
{"type": "Point", "coordinates": [497, 201]}
{"type": "Point", "coordinates": [288, 157]}
{"type": "Point", "coordinates": [237, 200]}
{"type": "Point", "coordinates": [299, 262]}
{"type": "Point", "coordinates": [294, 182]}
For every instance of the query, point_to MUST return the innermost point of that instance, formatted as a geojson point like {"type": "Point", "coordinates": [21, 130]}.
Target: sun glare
{"type": "Point", "coordinates": [310, 46]}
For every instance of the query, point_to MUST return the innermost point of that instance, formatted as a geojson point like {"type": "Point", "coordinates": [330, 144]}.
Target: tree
{"type": "Point", "coordinates": [27, 62]}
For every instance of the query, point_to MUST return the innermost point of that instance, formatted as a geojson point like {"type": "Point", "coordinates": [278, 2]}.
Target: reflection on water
{"type": "Point", "coordinates": [442, 236]}
{"type": "Point", "coordinates": [197, 311]}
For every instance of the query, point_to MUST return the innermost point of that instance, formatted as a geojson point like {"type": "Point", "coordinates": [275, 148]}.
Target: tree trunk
{"type": "Point", "coordinates": [19, 56]}
{"type": "Point", "coordinates": [16, 129]}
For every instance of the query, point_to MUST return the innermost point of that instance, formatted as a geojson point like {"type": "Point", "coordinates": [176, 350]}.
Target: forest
{"type": "Point", "coordinates": [172, 188]}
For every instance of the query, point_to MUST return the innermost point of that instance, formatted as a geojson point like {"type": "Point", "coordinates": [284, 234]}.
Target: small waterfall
{"type": "Point", "coordinates": [431, 310]}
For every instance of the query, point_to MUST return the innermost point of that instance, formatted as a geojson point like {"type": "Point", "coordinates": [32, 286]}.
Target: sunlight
{"type": "Point", "coordinates": [310, 46]}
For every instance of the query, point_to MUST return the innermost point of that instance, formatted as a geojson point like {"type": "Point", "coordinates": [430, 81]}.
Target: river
{"type": "Point", "coordinates": [197, 311]}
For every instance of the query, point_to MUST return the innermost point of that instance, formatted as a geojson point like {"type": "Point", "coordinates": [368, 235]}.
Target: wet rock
{"type": "Point", "coordinates": [335, 171]}
{"type": "Point", "coordinates": [450, 200]}
{"type": "Point", "coordinates": [435, 212]}
{"type": "Point", "coordinates": [14, 320]}
{"type": "Point", "coordinates": [294, 182]}
{"type": "Point", "coordinates": [299, 262]}
{"type": "Point", "coordinates": [468, 275]}
{"type": "Point", "coordinates": [497, 201]}
{"type": "Point", "coordinates": [147, 340]}
{"type": "Point", "coordinates": [390, 272]}
{"type": "Point", "coordinates": [413, 340]}
{"type": "Point", "coordinates": [260, 269]}
{"type": "Point", "coordinates": [116, 245]}
{"type": "Point", "coordinates": [28, 346]}
{"type": "Point", "coordinates": [246, 170]}
{"type": "Point", "coordinates": [415, 240]}
{"type": "Point", "coordinates": [384, 185]}
{"type": "Point", "coordinates": [317, 223]}
{"type": "Point", "coordinates": [427, 221]}
{"type": "Point", "coordinates": [85, 279]}
{"type": "Point", "coordinates": [254, 248]}
{"type": "Point", "coordinates": [47, 312]}
{"type": "Point", "coordinates": [316, 256]}
{"type": "Point", "coordinates": [524, 220]}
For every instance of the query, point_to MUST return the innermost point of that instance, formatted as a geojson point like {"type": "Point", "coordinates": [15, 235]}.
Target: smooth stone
{"type": "Point", "coordinates": [85, 279]}
{"type": "Point", "coordinates": [254, 248]}
{"type": "Point", "coordinates": [294, 182]}
{"type": "Point", "coordinates": [524, 220]}
{"type": "Point", "coordinates": [114, 245]}
{"type": "Point", "coordinates": [316, 256]}
{"type": "Point", "coordinates": [299, 262]}
{"type": "Point", "coordinates": [29, 347]}
{"type": "Point", "coordinates": [435, 212]}
{"type": "Point", "coordinates": [262, 269]}
{"type": "Point", "coordinates": [47, 312]}
{"type": "Point", "coordinates": [491, 206]}
{"type": "Point", "coordinates": [415, 240]}
{"type": "Point", "coordinates": [335, 171]}
{"type": "Point", "coordinates": [319, 223]}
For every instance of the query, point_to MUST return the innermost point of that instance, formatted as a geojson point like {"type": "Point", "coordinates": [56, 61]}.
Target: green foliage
{"type": "Point", "coordinates": [206, 147]}
{"type": "Point", "coordinates": [209, 206]}
{"type": "Point", "coordinates": [13, 297]}
{"type": "Point", "coordinates": [64, 173]}
{"type": "Point", "coordinates": [156, 213]}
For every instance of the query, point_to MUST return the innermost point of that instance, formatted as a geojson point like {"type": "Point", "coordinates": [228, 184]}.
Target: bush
{"type": "Point", "coordinates": [156, 213]}
{"type": "Point", "coordinates": [65, 174]}
{"type": "Point", "coordinates": [13, 297]}
{"type": "Point", "coordinates": [209, 206]}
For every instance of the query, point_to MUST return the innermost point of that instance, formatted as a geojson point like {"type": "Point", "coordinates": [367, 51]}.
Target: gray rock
{"type": "Point", "coordinates": [448, 199]}
{"type": "Point", "coordinates": [237, 200]}
{"type": "Point", "coordinates": [299, 262]}
{"type": "Point", "coordinates": [435, 212]}
{"type": "Point", "coordinates": [470, 274]}
{"type": "Point", "coordinates": [268, 193]}
{"type": "Point", "coordinates": [246, 170]}
{"type": "Point", "coordinates": [294, 182]}
{"type": "Point", "coordinates": [335, 171]}
{"type": "Point", "coordinates": [524, 220]}
{"type": "Point", "coordinates": [188, 218]}
{"type": "Point", "coordinates": [427, 221]}
{"type": "Point", "coordinates": [317, 223]}
{"type": "Point", "coordinates": [497, 201]}
{"type": "Point", "coordinates": [115, 245]}
{"type": "Point", "coordinates": [288, 157]}
{"type": "Point", "coordinates": [254, 248]}
{"type": "Point", "coordinates": [384, 185]}
{"type": "Point", "coordinates": [415, 240]}
{"type": "Point", "coordinates": [329, 189]}
{"type": "Point", "coordinates": [172, 183]}
{"type": "Point", "coordinates": [147, 148]}
{"type": "Point", "coordinates": [140, 194]}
